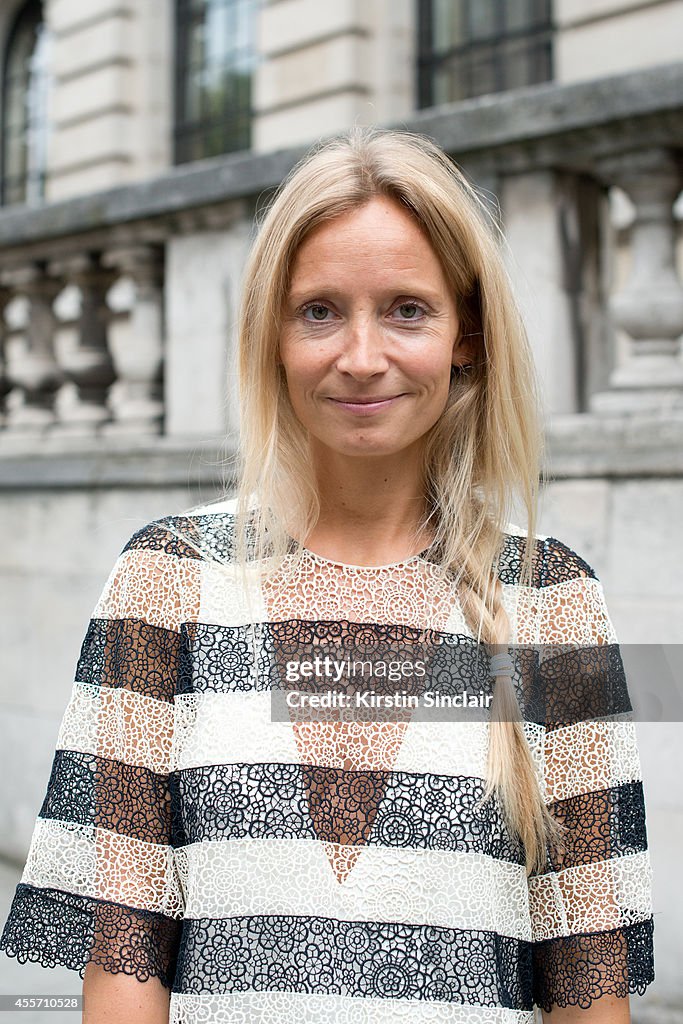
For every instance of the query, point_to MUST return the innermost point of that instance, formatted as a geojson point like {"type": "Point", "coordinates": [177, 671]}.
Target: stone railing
{"type": "Point", "coordinates": [37, 373]}
{"type": "Point", "coordinates": [119, 308]}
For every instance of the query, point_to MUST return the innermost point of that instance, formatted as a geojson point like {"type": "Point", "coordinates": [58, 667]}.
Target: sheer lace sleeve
{"type": "Point", "coordinates": [591, 909]}
{"type": "Point", "coordinates": [99, 882]}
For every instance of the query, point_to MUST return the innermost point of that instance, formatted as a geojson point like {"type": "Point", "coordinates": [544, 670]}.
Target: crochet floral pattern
{"type": "Point", "coordinates": [347, 871]}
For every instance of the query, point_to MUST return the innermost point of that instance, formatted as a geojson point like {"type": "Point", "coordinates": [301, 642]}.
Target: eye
{"type": "Point", "coordinates": [410, 309]}
{"type": "Point", "coordinates": [316, 308]}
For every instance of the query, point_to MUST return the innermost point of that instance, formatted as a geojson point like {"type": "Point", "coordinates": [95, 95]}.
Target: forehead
{"type": "Point", "coordinates": [380, 237]}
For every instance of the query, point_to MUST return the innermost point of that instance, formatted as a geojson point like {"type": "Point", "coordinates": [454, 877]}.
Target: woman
{"type": "Point", "coordinates": [319, 868]}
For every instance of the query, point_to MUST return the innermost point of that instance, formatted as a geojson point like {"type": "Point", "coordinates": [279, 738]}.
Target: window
{"type": "Point", "coordinates": [24, 108]}
{"type": "Point", "coordinates": [470, 47]}
{"type": "Point", "coordinates": [215, 57]}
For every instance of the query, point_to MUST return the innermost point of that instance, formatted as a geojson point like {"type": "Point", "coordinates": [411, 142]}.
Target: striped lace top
{"type": "Point", "coordinates": [272, 870]}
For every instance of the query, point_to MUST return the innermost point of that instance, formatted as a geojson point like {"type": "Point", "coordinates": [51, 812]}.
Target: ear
{"type": "Point", "coordinates": [464, 348]}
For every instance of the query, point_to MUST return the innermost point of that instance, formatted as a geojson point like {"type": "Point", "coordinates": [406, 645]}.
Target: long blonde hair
{"type": "Point", "coordinates": [485, 448]}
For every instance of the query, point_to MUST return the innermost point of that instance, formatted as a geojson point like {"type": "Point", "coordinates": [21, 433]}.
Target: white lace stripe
{"type": "Point", "coordinates": [235, 728]}
{"type": "Point", "coordinates": [160, 589]}
{"type": "Point", "coordinates": [91, 861]}
{"type": "Point", "coordinates": [445, 748]}
{"type": "Point", "coordinates": [225, 600]}
{"type": "Point", "coordinates": [575, 612]}
{"type": "Point", "coordinates": [118, 724]}
{"type": "Point", "coordinates": [589, 756]}
{"type": "Point", "coordinates": [273, 1007]}
{"type": "Point", "coordinates": [591, 897]}
{"type": "Point", "coordinates": [294, 876]}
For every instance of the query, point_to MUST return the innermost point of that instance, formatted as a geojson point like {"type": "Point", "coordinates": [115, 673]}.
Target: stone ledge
{"type": "Point", "coordinates": [577, 447]}
{"type": "Point", "coordinates": [586, 445]}
{"type": "Point", "coordinates": [71, 463]}
{"type": "Point", "coordinates": [544, 115]}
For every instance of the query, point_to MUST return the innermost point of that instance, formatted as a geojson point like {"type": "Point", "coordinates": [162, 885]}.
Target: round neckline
{"type": "Point", "coordinates": [351, 565]}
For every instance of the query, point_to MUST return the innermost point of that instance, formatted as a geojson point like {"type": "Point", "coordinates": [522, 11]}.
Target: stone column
{"type": "Point", "coordinates": [139, 406]}
{"type": "Point", "coordinates": [33, 368]}
{"type": "Point", "coordinates": [89, 364]}
{"type": "Point", "coordinates": [203, 287]}
{"type": "Point", "coordinates": [535, 253]}
{"type": "Point", "coordinates": [649, 306]}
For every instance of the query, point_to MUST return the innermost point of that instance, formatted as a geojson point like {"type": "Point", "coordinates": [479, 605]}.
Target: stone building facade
{"type": "Point", "coordinates": [140, 137]}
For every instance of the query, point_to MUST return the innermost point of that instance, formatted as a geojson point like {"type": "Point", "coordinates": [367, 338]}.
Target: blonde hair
{"type": "Point", "coordinates": [485, 447]}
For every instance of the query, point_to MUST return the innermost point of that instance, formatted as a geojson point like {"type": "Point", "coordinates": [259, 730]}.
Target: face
{"type": "Point", "coordinates": [369, 334]}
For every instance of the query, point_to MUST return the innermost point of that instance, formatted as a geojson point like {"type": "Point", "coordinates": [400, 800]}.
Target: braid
{"type": "Point", "coordinates": [510, 771]}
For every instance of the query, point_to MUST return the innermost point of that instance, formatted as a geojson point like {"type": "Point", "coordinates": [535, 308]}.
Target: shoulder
{"type": "Point", "coordinates": [157, 575]}
{"type": "Point", "coordinates": [555, 560]}
{"type": "Point", "coordinates": [562, 564]}
{"type": "Point", "coordinates": [572, 608]}
{"type": "Point", "coordinates": [200, 532]}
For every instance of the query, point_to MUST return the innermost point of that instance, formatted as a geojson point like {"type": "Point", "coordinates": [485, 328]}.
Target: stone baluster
{"type": "Point", "coordinates": [139, 363]}
{"type": "Point", "coordinates": [5, 385]}
{"type": "Point", "coordinates": [88, 364]}
{"type": "Point", "coordinates": [649, 307]}
{"type": "Point", "coordinates": [32, 367]}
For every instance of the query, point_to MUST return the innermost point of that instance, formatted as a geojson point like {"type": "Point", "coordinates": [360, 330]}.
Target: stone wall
{"type": "Point", "coordinates": [604, 37]}
{"type": "Point", "coordinates": [321, 68]}
{"type": "Point", "coordinates": [112, 93]}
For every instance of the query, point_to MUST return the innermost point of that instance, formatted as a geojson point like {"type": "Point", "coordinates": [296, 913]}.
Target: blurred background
{"type": "Point", "coordinates": [139, 138]}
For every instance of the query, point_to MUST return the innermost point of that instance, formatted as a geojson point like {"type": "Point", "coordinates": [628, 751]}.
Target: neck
{"type": "Point", "coordinates": [370, 508]}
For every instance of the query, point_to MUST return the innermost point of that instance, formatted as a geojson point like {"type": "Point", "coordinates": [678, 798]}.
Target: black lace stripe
{"type": "Point", "coordinates": [295, 801]}
{"type": "Point", "coordinates": [57, 928]}
{"type": "Point", "coordinates": [354, 958]}
{"type": "Point", "coordinates": [512, 557]}
{"type": "Point", "coordinates": [130, 654]}
{"type": "Point", "coordinates": [601, 825]}
{"type": "Point", "coordinates": [220, 658]}
{"type": "Point", "coordinates": [579, 685]}
{"type": "Point", "coordinates": [575, 970]}
{"type": "Point", "coordinates": [266, 801]}
{"type": "Point", "coordinates": [162, 535]}
{"type": "Point", "coordinates": [561, 564]}
{"type": "Point", "coordinates": [89, 790]}
{"type": "Point", "coordinates": [192, 537]}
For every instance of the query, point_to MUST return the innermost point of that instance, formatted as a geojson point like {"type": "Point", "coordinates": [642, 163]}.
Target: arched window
{"type": "Point", "coordinates": [24, 108]}
{"type": "Point", "coordinates": [471, 47]}
{"type": "Point", "coordinates": [215, 57]}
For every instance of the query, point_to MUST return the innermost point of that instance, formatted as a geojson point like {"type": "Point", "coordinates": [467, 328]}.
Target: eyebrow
{"type": "Point", "coordinates": [334, 293]}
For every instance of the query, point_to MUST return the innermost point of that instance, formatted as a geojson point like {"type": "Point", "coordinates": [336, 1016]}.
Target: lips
{"type": "Point", "coordinates": [365, 401]}
{"type": "Point", "coordinates": [367, 405]}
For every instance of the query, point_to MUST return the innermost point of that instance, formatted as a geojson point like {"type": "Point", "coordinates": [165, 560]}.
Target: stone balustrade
{"type": "Point", "coordinates": [103, 390]}
{"type": "Point", "coordinates": [118, 310]}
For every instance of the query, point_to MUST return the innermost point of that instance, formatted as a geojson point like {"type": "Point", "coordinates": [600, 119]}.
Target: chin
{"type": "Point", "coordinates": [365, 447]}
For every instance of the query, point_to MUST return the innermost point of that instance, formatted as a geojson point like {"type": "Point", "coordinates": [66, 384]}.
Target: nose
{"type": "Point", "coordinates": [364, 349]}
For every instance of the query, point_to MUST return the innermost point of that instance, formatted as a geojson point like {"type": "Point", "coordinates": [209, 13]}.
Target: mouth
{"type": "Point", "coordinates": [366, 406]}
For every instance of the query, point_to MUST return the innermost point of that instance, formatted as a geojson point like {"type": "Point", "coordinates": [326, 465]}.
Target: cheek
{"type": "Point", "coordinates": [299, 379]}
{"type": "Point", "coordinates": [431, 369]}
{"type": "Point", "coordinates": [303, 370]}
